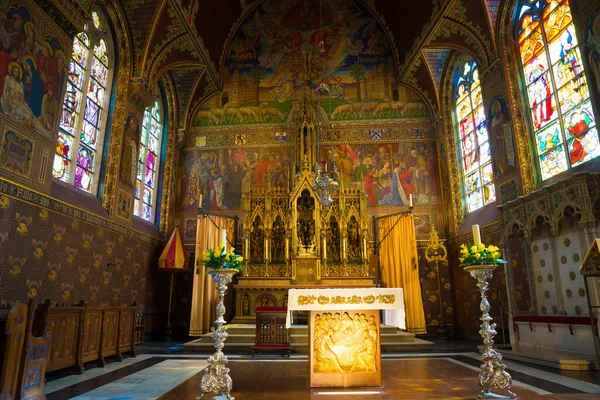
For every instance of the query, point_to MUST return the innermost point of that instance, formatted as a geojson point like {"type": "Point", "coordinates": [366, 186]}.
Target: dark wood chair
{"type": "Point", "coordinates": [271, 333]}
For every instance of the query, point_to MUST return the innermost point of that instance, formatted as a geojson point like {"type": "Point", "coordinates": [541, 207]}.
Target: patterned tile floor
{"type": "Point", "coordinates": [451, 372]}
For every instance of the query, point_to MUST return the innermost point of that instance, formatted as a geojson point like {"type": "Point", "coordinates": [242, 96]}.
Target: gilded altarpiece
{"type": "Point", "coordinates": [290, 239]}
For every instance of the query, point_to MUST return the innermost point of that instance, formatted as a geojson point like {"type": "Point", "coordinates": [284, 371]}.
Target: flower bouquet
{"type": "Point", "coordinates": [220, 258]}
{"type": "Point", "coordinates": [479, 254]}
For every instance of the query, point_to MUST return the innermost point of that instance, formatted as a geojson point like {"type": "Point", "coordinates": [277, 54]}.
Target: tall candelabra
{"type": "Point", "coordinates": [216, 379]}
{"type": "Point", "coordinates": [492, 374]}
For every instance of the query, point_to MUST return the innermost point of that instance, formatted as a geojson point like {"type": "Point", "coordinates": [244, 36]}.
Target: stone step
{"type": "Point", "coordinates": [553, 359]}
{"type": "Point", "coordinates": [243, 335]}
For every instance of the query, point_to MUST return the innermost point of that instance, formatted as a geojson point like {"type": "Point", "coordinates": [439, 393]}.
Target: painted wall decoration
{"type": "Point", "coordinates": [16, 153]}
{"type": "Point", "coordinates": [129, 155]}
{"type": "Point", "coordinates": [592, 48]}
{"type": "Point", "coordinates": [280, 48]}
{"type": "Point", "coordinates": [54, 252]}
{"type": "Point", "coordinates": [32, 69]}
{"type": "Point", "coordinates": [504, 157]}
{"type": "Point", "coordinates": [190, 229]}
{"type": "Point", "coordinates": [391, 172]}
{"type": "Point", "coordinates": [124, 205]}
{"type": "Point", "coordinates": [218, 174]}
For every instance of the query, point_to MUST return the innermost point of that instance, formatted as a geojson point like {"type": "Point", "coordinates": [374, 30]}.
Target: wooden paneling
{"type": "Point", "coordinates": [110, 331]}
{"type": "Point", "coordinates": [82, 334]}
{"type": "Point", "coordinates": [24, 356]}
{"type": "Point", "coordinates": [12, 337]}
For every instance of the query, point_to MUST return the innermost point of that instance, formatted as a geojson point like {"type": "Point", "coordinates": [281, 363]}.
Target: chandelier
{"type": "Point", "coordinates": [325, 183]}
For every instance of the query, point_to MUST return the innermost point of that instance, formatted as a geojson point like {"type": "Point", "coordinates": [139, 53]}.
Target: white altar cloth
{"type": "Point", "coordinates": [348, 299]}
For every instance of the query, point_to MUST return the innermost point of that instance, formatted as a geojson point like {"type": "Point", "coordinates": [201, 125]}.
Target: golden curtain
{"type": "Point", "coordinates": [204, 294]}
{"type": "Point", "coordinates": [400, 268]}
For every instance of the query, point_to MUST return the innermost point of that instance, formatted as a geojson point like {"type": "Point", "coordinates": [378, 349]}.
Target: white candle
{"type": "Point", "coordinates": [287, 248]}
{"type": "Point", "coordinates": [410, 199]}
{"type": "Point", "coordinates": [266, 249]}
{"type": "Point", "coordinates": [476, 235]}
{"type": "Point", "coordinates": [224, 239]}
{"type": "Point", "coordinates": [200, 199]}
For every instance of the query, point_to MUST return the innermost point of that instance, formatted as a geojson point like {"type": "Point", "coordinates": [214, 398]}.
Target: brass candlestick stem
{"type": "Point", "coordinates": [216, 379]}
{"type": "Point", "coordinates": [492, 375]}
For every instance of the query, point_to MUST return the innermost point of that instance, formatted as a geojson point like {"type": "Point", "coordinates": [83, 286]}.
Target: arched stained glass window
{"type": "Point", "coordinates": [149, 157]}
{"type": "Point", "coordinates": [83, 119]}
{"type": "Point", "coordinates": [476, 160]}
{"type": "Point", "coordinates": [557, 93]}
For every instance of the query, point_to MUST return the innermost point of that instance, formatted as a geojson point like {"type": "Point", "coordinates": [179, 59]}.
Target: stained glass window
{"type": "Point", "coordinates": [476, 161]}
{"type": "Point", "coordinates": [145, 190]}
{"type": "Point", "coordinates": [557, 93]}
{"type": "Point", "coordinates": [83, 118]}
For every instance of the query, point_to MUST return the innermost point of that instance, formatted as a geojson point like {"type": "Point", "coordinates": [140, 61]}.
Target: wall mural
{"type": "Point", "coordinates": [32, 69]}
{"type": "Point", "coordinates": [218, 174]}
{"type": "Point", "coordinates": [504, 158]}
{"type": "Point", "coordinates": [592, 43]}
{"type": "Point", "coordinates": [129, 157]}
{"type": "Point", "coordinates": [277, 50]}
{"type": "Point", "coordinates": [391, 172]}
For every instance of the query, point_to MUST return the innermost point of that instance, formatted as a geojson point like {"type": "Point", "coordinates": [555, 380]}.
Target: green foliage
{"type": "Point", "coordinates": [257, 74]}
{"type": "Point", "coordinates": [480, 255]}
{"type": "Point", "coordinates": [357, 71]}
{"type": "Point", "coordinates": [219, 258]}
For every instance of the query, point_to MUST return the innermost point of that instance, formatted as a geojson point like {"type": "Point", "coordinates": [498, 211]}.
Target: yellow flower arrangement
{"type": "Point", "coordinates": [221, 258]}
{"type": "Point", "coordinates": [480, 255]}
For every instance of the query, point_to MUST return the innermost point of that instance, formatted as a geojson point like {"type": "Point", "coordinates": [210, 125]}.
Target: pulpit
{"type": "Point", "coordinates": [344, 332]}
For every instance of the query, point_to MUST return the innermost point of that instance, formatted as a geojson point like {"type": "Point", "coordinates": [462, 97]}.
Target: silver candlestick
{"type": "Point", "coordinates": [492, 375]}
{"type": "Point", "coordinates": [216, 379]}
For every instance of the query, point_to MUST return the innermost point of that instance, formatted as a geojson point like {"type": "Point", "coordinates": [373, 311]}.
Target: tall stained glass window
{"type": "Point", "coordinates": [147, 171]}
{"type": "Point", "coordinates": [476, 160]}
{"type": "Point", "coordinates": [561, 115]}
{"type": "Point", "coordinates": [83, 118]}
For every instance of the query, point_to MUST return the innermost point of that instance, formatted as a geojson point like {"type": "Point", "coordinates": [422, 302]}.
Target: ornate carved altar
{"type": "Point", "coordinates": [290, 239]}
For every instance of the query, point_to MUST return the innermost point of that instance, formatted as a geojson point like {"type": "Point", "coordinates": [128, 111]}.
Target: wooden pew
{"type": "Point", "coordinates": [64, 325]}
{"type": "Point", "coordinates": [83, 333]}
{"type": "Point", "coordinates": [13, 325]}
{"type": "Point", "coordinates": [25, 356]}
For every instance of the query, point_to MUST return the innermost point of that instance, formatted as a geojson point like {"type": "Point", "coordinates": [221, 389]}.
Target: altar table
{"type": "Point", "coordinates": [344, 335]}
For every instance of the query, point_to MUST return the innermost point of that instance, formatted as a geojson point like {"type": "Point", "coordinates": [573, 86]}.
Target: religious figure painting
{"type": "Point", "coordinates": [391, 172]}
{"type": "Point", "coordinates": [592, 48]}
{"type": "Point", "coordinates": [32, 70]}
{"type": "Point", "coordinates": [129, 154]}
{"type": "Point", "coordinates": [218, 175]}
{"type": "Point", "coordinates": [502, 140]}
{"type": "Point", "coordinates": [281, 47]}
{"type": "Point", "coordinates": [16, 153]}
